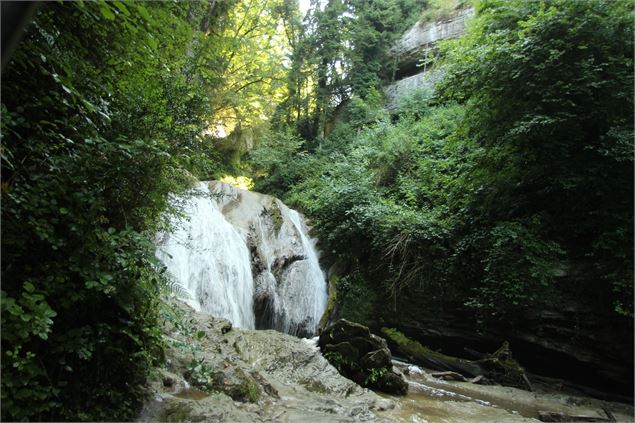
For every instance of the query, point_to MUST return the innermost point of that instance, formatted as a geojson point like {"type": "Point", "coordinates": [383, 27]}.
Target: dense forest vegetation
{"type": "Point", "coordinates": [507, 188]}
{"type": "Point", "coordinates": [106, 108]}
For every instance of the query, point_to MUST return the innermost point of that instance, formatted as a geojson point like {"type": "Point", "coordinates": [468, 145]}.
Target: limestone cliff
{"type": "Point", "coordinates": [415, 51]}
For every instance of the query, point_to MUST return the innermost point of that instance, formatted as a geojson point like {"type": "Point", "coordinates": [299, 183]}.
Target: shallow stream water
{"type": "Point", "coordinates": [432, 400]}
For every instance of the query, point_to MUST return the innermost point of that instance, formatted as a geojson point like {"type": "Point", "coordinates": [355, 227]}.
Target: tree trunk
{"type": "Point", "coordinates": [498, 367]}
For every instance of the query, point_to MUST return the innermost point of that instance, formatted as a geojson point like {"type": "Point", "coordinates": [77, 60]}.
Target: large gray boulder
{"type": "Point", "coordinates": [217, 373]}
{"type": "Point", "coordinates": [412, 45]}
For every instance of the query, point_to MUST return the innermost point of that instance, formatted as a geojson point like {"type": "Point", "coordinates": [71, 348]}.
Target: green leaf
{"type": "Point", "coordinates": [122, 7]}
{"type": "Point", "coordinates": [104, 8]}
{"type": "Point", "coordinates": [143, 12]}
{"type": "Point", "coordinates": [153, 43]}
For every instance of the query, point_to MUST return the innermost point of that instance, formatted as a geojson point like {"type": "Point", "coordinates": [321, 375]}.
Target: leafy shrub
{"type": "Point", "coordinates": [357, 299]}
{"type": "Point", "coordinates": [277, 161]}
{"type": "Point", "coordinates": [92, 144]}
{"type": "Point", "coordinates": [551, 106]}
{"type": "Point", "coordinates": [519, 270]}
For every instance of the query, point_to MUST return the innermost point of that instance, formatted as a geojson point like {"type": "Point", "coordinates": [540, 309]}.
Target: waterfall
{"type": "Point", "coordinates": [246, 257]}
{"type": "Point", "coordinates": [304, 296]}
{"type": "Point", "coordinates": [206, 256]}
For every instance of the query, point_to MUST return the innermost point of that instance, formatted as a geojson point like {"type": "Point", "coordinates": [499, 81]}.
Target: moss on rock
{"type": "Point", "coordinates": [498, 367]}
{"type": "Point", "coordinates": [331, 303]}
{"type": "Point", "coordinates": [180, 412]}
{"type": "Point", "coordinates": [361, 356]}
{"type": "Point", "coordinates": [314, 385]}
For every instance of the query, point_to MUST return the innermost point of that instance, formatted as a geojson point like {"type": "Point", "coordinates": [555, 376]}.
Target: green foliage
{"type": "Point", "coordinates": [248, 391]}
{"type": "Point", "coordinates": [511, 188]}
{"type": "Point", "coordinates": [388, 194]}
{"type": "Point", "coordinates": [277, 161]}
{"type": "Point", "coordinates": [548, 91]}
{"type": "Point", "coordinates": [335, 358]}
{"type": "Point", "coordinates": [101, 110]}
{"type": "Point", "coordinates": [339, 53]}
{"type": "Point", "coordinates": [366, 111]}
{"type": "Point", "coordinates": [242, 182]}
{"type": "Point", "coordinates": [414, 105]}
{"type": "Point", "coordinates": [357, 298]}
{"type": "Point", "coordinates": [201, 375]}
{"type": "Point", "coordinates": [519, 270]}
{"type": "Point", "coordinates": [239, 55]}
{"type": "Point", "coordinates": [439, 10]}
{"type": "Point", "coordinates": [374, 375]}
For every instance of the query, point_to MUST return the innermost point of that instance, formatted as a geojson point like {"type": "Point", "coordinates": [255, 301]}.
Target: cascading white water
{"type": "Point", "coordinates": [239, 245]}
{"type": "Point", "coordinates": [206, 255]}
{"type": "Point", "coordinates": [304, 298]}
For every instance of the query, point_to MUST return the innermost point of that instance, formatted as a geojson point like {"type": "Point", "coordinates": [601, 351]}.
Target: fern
{"type": "Point", "coordinates": [173, 287]}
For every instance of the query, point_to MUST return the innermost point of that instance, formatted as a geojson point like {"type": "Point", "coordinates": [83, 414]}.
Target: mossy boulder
{"type": "Point", "coordinates": [361, 356]}
{"type": "Point", "coordinates": [376, 359]}
{"type": "Point", "coordinates": [392, 382]}
{"type": "Point", "coordinates": [238, 384]}
{"type": "Point", "coordinates": [345, 349]}
{"type": "Point", "coordinates": [343, 331]}
{"type": "Point", "coordinates": [234, 382]}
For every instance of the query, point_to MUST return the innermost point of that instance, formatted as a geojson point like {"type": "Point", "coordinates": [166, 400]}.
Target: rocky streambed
{"type": "Point", "coordinates": [435, 400]}
{"type": "Point", "coordinates": [217, 373]}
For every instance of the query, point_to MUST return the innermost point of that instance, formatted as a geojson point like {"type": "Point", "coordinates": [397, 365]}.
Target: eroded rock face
{"type": "Point", "coordinates": [417, 44]}
{"type": "Point", "coordinates": [361, 356]}
{"type": "Point", "coordinates": [410, 48]}
{"type": "Point", "coordinates": [218, 374]}
{"type": "Point", "coordinates": [406, 86]}
{"type": "Point", "coordinates": [289, 286]}
{"type": "Point", "coordinates": [566, 344]}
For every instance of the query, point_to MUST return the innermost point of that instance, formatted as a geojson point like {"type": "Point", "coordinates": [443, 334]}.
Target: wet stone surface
{"type": "Point", "coordinates": [235, 375]}
{"type": "Point", "coordinates": [220, 374]}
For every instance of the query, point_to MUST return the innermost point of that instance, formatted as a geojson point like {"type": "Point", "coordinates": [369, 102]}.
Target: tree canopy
{"type": "Point", "coordinates": [106, 109]}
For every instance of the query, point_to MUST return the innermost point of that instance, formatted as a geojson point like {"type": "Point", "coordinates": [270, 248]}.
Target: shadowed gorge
{"type": "Point", "coordinates": [307, 210]}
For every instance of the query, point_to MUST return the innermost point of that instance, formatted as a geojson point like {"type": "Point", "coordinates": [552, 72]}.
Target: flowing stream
{"type": "Point", "coordinates": [246, 257]}
{"type": "Point", "coordinates": [432, 400]}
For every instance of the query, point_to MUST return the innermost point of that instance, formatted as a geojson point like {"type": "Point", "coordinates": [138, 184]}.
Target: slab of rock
{"type": "Point", "coordinates": [410, 47]}
{"type": "Point", "coordinates": [555, 416]}
{"type": "Point", "coordinates": [221, 375]}
{"type": "Point", "coordinates": [361, 356]}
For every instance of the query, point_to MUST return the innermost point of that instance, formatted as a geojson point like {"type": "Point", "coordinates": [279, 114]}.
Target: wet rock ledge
{"type": "Point", "coordinates": [216, 373]}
